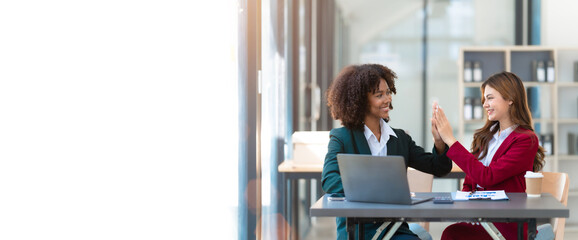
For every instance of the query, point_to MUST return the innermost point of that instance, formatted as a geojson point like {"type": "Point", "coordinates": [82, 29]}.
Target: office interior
{"type": "Point", "coordinates": [304, 44]}
{"type": "Point", "coordinates": [170, 119]}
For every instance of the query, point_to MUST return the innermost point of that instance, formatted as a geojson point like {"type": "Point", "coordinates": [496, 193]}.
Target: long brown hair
{"type": "Point", "coordinates": [512, 89]}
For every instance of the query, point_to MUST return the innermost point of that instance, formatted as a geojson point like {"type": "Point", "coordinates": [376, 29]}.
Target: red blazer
{"type": "Point", "coordinates": [506, 172]}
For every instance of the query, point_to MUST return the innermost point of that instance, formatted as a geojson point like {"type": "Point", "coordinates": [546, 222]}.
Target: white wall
{"type": "Point", "coordinates": [559, 18]}
{"type": "Point", "coordinates": [108, 113]}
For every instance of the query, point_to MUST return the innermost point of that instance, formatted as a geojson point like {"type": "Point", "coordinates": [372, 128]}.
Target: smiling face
{"type": "Point", "coordinates": [496, 106]}
{"type": "Point", "coordinates": [379, 102]}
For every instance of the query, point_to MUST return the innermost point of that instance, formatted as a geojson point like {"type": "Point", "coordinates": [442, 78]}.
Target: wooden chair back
{"type": "Point", "coordinates": [557, 184]}
{"type": "Point", "coordinates": [420, 182]}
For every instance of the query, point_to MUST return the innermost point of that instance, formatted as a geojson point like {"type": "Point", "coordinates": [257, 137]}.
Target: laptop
{"type": "Point", "coordinates": [378, 179]}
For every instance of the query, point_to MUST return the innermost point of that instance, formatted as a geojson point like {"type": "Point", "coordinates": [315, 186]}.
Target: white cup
{"type": "Point", "coordinates": [534, 183]}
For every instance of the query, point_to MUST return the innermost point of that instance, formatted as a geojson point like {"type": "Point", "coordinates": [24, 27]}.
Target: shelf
{"type": "Point", "coordinates": [568, 121]}
{"type": "Point", "coordinates": [473, 84]}
{"type": "Point", "coordinates": [527, 80]}
{"type": "Point", "coordinates": [529, 48]}
{"type": "Point", "coordinates": [537, 84]}
{"type": "Point", "coordinates": [476, 121]}
{"type": "Point", "coordinates": [567, 84]}
{"type": "Point", "coordinates": [543, 120]}
{"type": "Point", "coordinates": [568, 157]}
{"type": "Point", "coordinates": [521, 62]}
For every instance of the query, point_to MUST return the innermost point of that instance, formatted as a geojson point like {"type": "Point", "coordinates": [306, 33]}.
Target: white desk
{"type": "Point", "coordinates": [291, 174]}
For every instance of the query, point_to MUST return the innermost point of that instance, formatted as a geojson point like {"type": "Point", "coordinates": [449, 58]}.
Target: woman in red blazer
{"type": "Point", "coordinates": [502, 151]}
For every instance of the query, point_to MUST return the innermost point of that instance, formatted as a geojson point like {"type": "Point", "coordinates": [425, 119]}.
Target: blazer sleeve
{"type": "Point", "coordinates": [514, 159]}
{"type": "Point", "coordinates": [468, 185]}
{"type": "Point", "coordinates": [430, 162]}
{"type": "Point", "coordinates": [331, 177]}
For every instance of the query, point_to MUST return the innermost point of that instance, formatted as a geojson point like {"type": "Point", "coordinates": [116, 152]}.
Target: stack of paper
{"type": "Point", "coordinates": [481, 195]}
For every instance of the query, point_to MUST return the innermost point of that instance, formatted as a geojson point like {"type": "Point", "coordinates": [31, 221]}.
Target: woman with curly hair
{"type": "Point", "coordinates": [360, 97]}
{"type": "Point", "coordinates": [502, 151]}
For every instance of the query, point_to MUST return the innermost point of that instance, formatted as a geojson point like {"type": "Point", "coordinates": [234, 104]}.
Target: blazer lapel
{"type": "Point", "coordinates": [505, 145]}
{"type": "Point", "coordinates": [361, 142]}
{"type": "Point", "coordinates": [392, 146]}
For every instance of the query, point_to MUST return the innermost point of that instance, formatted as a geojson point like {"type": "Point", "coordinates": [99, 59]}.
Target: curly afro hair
{"type": "Point", "coordinates": [347, 96]}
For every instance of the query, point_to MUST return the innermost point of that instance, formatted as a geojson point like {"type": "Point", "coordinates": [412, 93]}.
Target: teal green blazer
{"type": "Point", "coordinates": [342, 141]}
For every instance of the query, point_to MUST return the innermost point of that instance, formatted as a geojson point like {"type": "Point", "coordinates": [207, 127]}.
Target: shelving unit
{"type": "Point", "coordinates": [567, 122]}
{"type": "Point", "coordinates": [554, 104]}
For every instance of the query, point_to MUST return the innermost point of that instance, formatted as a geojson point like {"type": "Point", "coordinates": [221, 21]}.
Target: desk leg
{"type": "Point", "coordinates": [492, 230]}
{"type": "Point", "coordinates": [360, 230]}
{"type": "Point", "coordinates": [392, 230]}
{"type": "Point", "coordinates": [319, 188]}
{"type": "Point", "coordinates": [350, 226]}
{"type": "Point", "coordinates": [520, 230]}
{"type": "Point", "coordinates": [286, 205]}
{"type": "Point", "coordinates": [307, 196]}
{"type": "Point", "coordinates": [532, 229]}
{"type": "Point", "coordinates": [294, 206]}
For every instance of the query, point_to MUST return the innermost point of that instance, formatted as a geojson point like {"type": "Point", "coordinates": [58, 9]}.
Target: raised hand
{"type": "Point", "coordinates": [438, 141]}
{"type": "Point", "coordinates": [434, 131]}
{"type": "Point", "coordinates": [443, 126]}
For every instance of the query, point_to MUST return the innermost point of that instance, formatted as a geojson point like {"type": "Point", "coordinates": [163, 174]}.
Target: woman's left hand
{"type": "Point", "coordinates": [439, 143]}
{"type": "Point", "coordinates": [434, 131]}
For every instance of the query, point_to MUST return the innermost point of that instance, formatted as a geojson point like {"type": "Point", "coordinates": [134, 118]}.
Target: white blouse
{"type": "Point", "coordinates": [379, 148]}
{"type": "Point", "coordinates": [495, 143]}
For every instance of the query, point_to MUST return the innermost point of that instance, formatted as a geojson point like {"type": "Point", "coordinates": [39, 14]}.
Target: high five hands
{"type": "Point", "coordinates": [441, 129]}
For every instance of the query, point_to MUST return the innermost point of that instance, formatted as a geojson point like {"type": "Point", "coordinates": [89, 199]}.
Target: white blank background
{"type": "Point", "coordinates": [108, 110]}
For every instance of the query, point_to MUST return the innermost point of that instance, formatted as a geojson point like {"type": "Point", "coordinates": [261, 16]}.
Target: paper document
{"type": "Point", "coordinates": [481, 195]}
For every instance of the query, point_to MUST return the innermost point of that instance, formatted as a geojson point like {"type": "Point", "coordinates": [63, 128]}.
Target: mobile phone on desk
{"type": "Point", "coordinates": [336, 197]}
